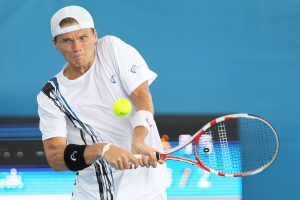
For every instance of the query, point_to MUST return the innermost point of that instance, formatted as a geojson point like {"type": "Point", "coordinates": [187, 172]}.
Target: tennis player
{"type": "Point", "coordinates": [79, 129]}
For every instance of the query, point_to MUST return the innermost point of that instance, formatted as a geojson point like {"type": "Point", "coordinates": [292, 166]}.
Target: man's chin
{"type": "Point", "coordinates": [79, 63]}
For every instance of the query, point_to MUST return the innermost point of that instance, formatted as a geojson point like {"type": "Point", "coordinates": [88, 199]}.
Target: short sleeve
{"type": "Point", "coordinates": [133, 69]}
{"type": "Point", "coordinates": [52, 120]}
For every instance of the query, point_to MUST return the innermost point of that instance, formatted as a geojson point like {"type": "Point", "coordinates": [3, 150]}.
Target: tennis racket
{"type": "Point", "coordinates": [233, 145]}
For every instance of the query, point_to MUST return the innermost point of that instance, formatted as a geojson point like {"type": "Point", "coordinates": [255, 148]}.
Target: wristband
{"type": "Point", "coordinates": [73, 157]}
{"type": "Point", "coordinates": [143, 118]}
{"type": "Point", "coordinates": [105, 149]}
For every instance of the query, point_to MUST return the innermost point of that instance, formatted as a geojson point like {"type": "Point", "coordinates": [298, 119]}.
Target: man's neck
{"type": "Point", "coordinates": [73, 72]}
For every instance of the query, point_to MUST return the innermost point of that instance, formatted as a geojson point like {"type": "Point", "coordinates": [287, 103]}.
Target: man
{"type": "Point", "coordinates": [79, 129]}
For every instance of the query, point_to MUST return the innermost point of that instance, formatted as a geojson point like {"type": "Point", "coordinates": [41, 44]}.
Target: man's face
{"type": "Point", "coordinates": [77, 47]}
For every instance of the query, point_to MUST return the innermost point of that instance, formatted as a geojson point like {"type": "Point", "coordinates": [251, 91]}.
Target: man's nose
{"type": "Point", "coordinates": [76, 46]}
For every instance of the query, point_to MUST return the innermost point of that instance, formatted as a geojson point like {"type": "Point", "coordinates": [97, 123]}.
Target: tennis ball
{"type": "Point", "coordinates": [122, 107]}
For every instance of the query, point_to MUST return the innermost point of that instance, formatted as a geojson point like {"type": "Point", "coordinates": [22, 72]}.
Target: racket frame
{"type": "Point", "coordinates": [195, 139]}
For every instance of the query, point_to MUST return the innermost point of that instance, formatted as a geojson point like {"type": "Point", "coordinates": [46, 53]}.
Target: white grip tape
{"type": "Point", "coordinates": [138, 156]}
{"type": "Point", "coordinates": [105, 149]}
{"type": "Point", "coordinates": [143, 118]}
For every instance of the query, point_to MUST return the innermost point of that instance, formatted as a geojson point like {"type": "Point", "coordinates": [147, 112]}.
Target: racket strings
{"type": "Point", "coordinates": [237, 146]}
{"type": "Point", "coordinates": [224, 146]}
{"type": "Point", "coordinates": [257, 144]}
{"type": "Point", "coordinates": [207, 144]}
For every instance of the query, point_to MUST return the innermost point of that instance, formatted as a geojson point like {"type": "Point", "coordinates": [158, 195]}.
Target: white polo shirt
{"type": "Point", "coordinates": [118, 69]}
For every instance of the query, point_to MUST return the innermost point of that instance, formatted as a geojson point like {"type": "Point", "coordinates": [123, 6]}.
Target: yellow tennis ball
{"type": "Point", "coordinates": [122, 107]}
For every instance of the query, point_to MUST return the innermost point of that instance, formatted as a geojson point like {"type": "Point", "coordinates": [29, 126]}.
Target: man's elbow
{"type": "Point", "coordinates": [57, 165]}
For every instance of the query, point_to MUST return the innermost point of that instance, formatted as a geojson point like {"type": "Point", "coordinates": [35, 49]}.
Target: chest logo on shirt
{"type": "Point", "coordinates": [113, 79]}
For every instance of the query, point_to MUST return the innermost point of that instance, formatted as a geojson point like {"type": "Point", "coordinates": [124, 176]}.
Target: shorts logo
{"type": "Point", "coordinates": [73, 156]}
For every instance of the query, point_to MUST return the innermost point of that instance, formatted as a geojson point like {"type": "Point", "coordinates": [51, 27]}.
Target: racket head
{"type": "Point", "coordinates": [236, 145]}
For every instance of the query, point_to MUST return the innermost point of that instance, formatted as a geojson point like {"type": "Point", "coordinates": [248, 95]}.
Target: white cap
{"type": "Point", "coordinates": [81, 15]}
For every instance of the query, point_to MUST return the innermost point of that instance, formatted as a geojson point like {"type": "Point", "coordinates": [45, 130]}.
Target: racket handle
{"type": "Point", "coordinates": [157, 154]}
{"type": "Point", "coordinates": [137, 155]}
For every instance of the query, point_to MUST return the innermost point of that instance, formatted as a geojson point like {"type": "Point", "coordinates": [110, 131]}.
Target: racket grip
{"type": "Point", "coordinates": [137, 155]}
{"type": "Point", "coordinates": [157, 154]}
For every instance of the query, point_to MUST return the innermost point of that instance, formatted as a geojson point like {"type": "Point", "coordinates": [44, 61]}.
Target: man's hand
{"type": "Point", "coordinates": [120, 159]}
{"type": "Point", "coordinates": [148, 155]}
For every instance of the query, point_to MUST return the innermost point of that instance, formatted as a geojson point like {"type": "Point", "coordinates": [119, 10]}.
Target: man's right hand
{"type": "Point", "coordinates": [120, 159]}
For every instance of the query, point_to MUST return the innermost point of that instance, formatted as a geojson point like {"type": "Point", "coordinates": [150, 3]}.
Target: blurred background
{"type": "Point", "coordinates": [212, 58]}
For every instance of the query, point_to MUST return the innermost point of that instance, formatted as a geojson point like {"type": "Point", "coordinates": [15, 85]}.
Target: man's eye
{"type": "Point", "coordinates": [83, 37]}
{"type": "Point", "coordinates": [67, 41]}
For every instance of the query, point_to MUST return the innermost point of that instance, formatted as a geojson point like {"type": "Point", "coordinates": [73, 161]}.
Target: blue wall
{"type": "Point", "coordinates": [211, 57]}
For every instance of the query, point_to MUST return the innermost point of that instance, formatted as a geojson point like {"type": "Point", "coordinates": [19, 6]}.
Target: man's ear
{"type": "Point", "coordinates": [55, 43]}
{"type": "Point", "coordinates": [96, 34]}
